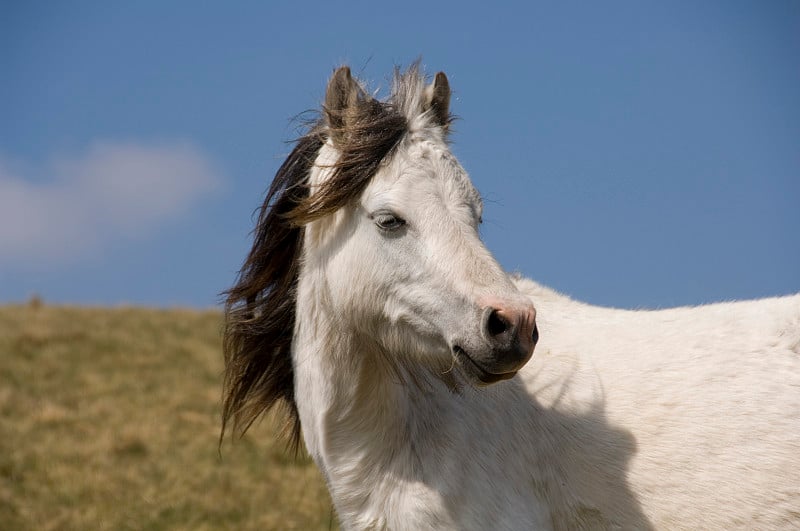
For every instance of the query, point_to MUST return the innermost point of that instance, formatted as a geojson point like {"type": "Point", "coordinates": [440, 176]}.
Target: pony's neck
{"type": "Point", "coordinates": [358, 415]}
{"type": "Point", "coordinates": [341, 388]}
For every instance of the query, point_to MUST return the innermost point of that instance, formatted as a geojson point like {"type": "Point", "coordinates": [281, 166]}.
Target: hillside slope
{"type": "Point", "coordinates": [109, 419]}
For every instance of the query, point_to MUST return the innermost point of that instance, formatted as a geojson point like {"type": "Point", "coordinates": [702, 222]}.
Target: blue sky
{"type": "Point", "coordinates": [631, 154]}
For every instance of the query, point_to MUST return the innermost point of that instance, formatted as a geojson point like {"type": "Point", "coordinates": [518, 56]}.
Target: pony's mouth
{"type": "Point", "coordinates": [475, 371]}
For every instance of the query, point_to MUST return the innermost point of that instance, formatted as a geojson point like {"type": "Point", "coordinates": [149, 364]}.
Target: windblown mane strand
{"type": "Point", "coordinates": [260, 309]}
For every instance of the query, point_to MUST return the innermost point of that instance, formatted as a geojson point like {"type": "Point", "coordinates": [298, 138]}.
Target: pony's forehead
{"type": "Point", "coordinates": [421, 160]}
{"type": "Point", "coordinates": [425, 143]}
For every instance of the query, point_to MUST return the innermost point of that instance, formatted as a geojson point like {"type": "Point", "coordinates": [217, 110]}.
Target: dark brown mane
{"type": "Point", "coordinates": [260, 307]}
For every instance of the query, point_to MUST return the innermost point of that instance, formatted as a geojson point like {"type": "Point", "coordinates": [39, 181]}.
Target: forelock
{"type": "Point", "coordinates": [409, 98]}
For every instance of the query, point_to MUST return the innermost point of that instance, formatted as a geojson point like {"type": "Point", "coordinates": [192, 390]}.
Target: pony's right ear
{"type": "Point", "coordinates": [437, 99]}
{"type": "Point", "coordinates": [342, 98]}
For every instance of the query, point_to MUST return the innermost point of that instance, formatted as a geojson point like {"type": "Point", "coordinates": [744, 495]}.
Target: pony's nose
{"type": "Point", "coordinates": [512, 333]}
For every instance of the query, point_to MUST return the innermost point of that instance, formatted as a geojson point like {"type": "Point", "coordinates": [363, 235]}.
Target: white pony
{"type": "Point", "coordinates": [369, 307]}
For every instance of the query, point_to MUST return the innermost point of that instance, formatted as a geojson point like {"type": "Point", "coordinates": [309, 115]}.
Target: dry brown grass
{"type": "Point", "coordinates": [109, 419]}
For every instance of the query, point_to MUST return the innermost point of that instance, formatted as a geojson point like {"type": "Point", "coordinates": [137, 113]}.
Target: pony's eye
{"type": "Point", "coordinates": [388, 221]}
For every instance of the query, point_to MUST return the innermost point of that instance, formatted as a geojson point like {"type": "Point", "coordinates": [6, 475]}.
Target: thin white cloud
{"type": "Point", "coordinates": [113, 191]}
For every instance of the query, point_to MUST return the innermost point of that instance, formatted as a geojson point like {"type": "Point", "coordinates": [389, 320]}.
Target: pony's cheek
{"type": "Point", "coordinates": [356, 292]}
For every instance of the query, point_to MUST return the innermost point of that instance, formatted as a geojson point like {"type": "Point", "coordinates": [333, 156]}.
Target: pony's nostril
{"type": "Point", "coordinates": [535, 334]}
{"type": "Point", "coordinates": [496, 325]}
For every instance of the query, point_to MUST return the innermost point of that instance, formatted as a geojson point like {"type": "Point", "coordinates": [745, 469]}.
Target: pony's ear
{"type": "Point", "coordinates": [342, 98]}
{"type": "Point", "coordinates": [437, 99]}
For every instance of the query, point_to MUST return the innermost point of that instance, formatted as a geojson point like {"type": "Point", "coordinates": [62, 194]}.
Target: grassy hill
{"type": "Point", "coordinates": [109, 419]}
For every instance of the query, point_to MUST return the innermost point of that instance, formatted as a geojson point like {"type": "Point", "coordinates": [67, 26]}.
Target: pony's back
{"type": "Point", "coordinates": [710, 396]}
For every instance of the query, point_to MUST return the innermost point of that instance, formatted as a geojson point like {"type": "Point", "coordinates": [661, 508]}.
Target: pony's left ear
{"type": "Point", "coordinates": [342, 99]}
{"type": "Point", "coordinates": [437, 100]}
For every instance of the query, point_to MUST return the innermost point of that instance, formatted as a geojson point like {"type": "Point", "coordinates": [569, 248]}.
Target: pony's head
{"type": "Point", "coordinates": [374, 221]}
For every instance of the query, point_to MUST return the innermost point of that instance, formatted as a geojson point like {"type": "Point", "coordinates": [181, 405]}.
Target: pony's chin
{"type": "Point", "coordinates": [475, 373]}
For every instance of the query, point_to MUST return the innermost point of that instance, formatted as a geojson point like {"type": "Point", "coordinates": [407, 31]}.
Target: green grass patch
{"type": "Point", "coordinates": [109, 419]}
